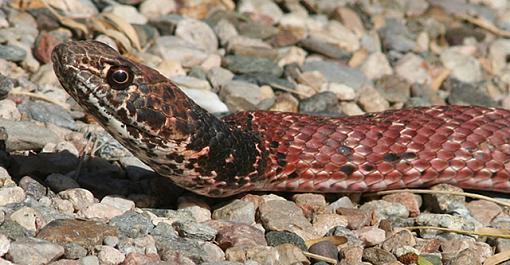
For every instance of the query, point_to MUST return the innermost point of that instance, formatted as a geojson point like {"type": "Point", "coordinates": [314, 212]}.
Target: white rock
{"type": "Point", "coordinates": [5, 243]}
{"type": "Point", "coordinates": [464, 67]}
{"type": "Point", "coordinates": [410, 67]}
{"type": "Point", "coordinates": [206, 99]}
{"type": "Point", "coordinates": [128, 13]}
{"type": "Point", "coordinates": [155, 8]}
{"type": "Point", "coordinates": [110, 256]}
{"type": "Point", "coordinates": [376, 66]}
{"type": "Point", "coordinates": [189, 82]}
{"type": "Point", "coordinates": [11, 195]}
{"type": "Point", "coordinates": [261, 7]}
{"type": "Point", "coordinates": [80, 198]}
{"type": "Point", "coordinates": [100, 211]}
{"type": "Point", "coordinates": [8, 110]}
{"type": "Point", "coordinates": [118, 202]}
{"type": "Point", "coordinates": [26, 217]}
{"type": "Point", "coordinates": [197, 33]}
{"type": "Point", "coordinates": [342, 91]}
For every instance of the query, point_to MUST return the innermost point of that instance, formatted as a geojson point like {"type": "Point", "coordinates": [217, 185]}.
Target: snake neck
{"type": "Point", "coordinates": [195, 149]}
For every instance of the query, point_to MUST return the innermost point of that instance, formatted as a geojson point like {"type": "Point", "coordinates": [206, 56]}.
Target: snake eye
{"type": "Point", "coordinates": [119, 77]}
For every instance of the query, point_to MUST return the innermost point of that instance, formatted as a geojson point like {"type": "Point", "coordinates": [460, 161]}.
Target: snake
{"type": "Point", "coordinates": [465, 146]}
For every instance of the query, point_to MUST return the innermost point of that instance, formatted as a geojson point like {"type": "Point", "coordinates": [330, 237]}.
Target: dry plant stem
{"type": "Point", "coordinates": [463, 232]}
{"type": "Point", "coordinates": [485, 25]}
{"type": "Point", "coordinates": [319, 257]}
{"type": "Point", "coordinates": [498, 258]}
{"type": "Point", "coordinates": [466, 194]}
{"type": "Point", "coordinates": [36, 96]}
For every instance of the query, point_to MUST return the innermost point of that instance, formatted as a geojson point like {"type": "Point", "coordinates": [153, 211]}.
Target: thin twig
{"type": "Point", "coordinates": [319, 257]}
{"type": "Point", "coordinates": [36, 96]}
{"type": "Point", "coordinates": [467, 194]}
{"type": "Point", "coordinates": [483, 23]}
{"type": "Point", "coordinates": [463, 232]}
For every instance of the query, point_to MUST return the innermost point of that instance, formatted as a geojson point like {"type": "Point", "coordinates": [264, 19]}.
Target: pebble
{"type": "Point", "coordinates": [5, 244]}
{"type": "Point", "coordinates": [207, 100]}
{"type": "Point", "coordinates": [120, 203]}
{"type": "Point", "coordinates": [247, 64]}
{"type": "Point", "coordinates": [195, 230]}
{"type": "Point", "coordinates": [464, 67]}
{"type": "Point", "coordinates": [32, 251]}
{"type": "Point", "coordinates": [238, 211]}
{"type": "Point", "coordinates": [81, 198]}
{"type": "Point", "coordinates": [323, 102]}
{"type": "Point", "coordinates": [27, 217]}
{"type": "Point", "coordinates": [99, 211]}
{"type": "Point", "coordinates": [338, 73]}
{"type": "Point", "coordinates": [282, 215]}
{"type": "Point", "coordinates": [371, 235]}
{"type": "Point", "coordinates": [378, 256]}
{"type": "Point", "coordinates": [74, 251]}
{"type": "Point", "coordinates": [240, 95]}
{"type": "Point", "coordinates": [409, 200]}
{"type": "Point", "coordinates": [235, 234]}
{"type": "Point", "coordinates": [324, 248]}
{"type": "Point", "coordinates": [376, 66]}
{"type": "Point", "coordinates": [110, 256]}
{"type": "Point", "coordinates": [322, 223]}
{"type": "Point", "coordinates": [484, 211]}
{"type": "Point", "coordinates": [85, 233]}
{"type": "Point", "coordinates": [12, 53]}
{"type": "Point", "coordinates": [276, 238]}
{"type": "Point", "coordinates": [11, 195]}
{"type": "Point", "coordinates": [132, 224]}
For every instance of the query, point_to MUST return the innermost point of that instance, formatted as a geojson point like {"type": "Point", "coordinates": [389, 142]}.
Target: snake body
{"type": "Point", "coordinates": [467, 146]}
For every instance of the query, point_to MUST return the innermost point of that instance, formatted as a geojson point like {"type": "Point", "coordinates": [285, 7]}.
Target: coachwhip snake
{"type": "Point", "coordinates": [465, 146]}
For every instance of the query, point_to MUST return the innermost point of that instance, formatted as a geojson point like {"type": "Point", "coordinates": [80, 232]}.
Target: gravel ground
{"type": "Point", "coordinates": [70, 194]}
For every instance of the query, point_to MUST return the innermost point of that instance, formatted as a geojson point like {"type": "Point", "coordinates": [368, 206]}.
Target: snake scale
{"type": "Point", "coordinates": [466, 146]}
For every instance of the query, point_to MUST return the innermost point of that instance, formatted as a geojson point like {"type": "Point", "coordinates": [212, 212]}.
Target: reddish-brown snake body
{"type": "Point", "coordinates": [465, 146]}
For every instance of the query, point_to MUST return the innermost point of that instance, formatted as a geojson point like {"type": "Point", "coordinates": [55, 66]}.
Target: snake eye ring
{"type": "Point", "coordinates": [119, 77]}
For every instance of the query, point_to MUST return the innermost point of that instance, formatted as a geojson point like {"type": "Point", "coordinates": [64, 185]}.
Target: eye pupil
{"type": "Point", "coordinates": [120, 76]}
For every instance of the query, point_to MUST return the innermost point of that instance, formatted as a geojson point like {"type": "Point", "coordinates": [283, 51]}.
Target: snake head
{"type": "Point", "coordinates": [127, 98]}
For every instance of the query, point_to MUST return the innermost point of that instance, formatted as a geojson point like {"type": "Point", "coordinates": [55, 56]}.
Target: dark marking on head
{"type": "Point", "coordinates": [293, 175]}
{"type": "Point", "coordinates": [274, 144]}
{"type": "Point", "coordinates": [152, 118]}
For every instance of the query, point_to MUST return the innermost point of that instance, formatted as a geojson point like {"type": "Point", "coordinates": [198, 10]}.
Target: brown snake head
{"type": "Point", "coordinates": [154, 119]}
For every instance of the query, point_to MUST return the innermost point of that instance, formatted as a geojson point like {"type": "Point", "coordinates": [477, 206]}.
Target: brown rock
{"type": "Point", "coordinates": [427, 245]}
{"type": "Point", "coordinates": [310, 203]}
{"type": "Point", "coordinates": [236, 234]}
{"type": "Point", "coordinates": [44, 45]}
{"type": "Point", "coordinates": [378, 256]}
{"type": "Point", "coordinates": [484, 211]}
{"type": "Point", "coordinates": [134, 258]}
{"type": "Point", "coordinates": [85, 233]}
{"type": "Point", "coordinates": [407, 199]}
{"type": "Point", "coordinates": [356, 218]}
{"type": "Point", "coordinates": [352, 254]}
{"type": "Point", "coordinates": [399, 239]}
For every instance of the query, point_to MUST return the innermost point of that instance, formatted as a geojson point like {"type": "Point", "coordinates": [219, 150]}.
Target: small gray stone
{"type": "Point", "coordinates": [32, 187]}
{"type": "Point", "coordinates": [26, 135]}
{"type": "Point", "coordinates": [13, 230]}
{"type": "Point", "coordinates": [195, 230]}
{"type": "Point", "coordinates": [196, 250]}
{"type": "Point", "coordinates": [31, 251]}
{"type": "Point", "coordinates": [394, 89]}
{"type": "Point", "coordinates": [132, 224]}
{"type": "Point", "coordinates": [324, 102]}
{"type": "Point", "coordinates": [462, 93]}
{"type": "Point", "coordinates": [46, 112]}
{"type": "Point", "coordinates": [240, 95]}
{"type": "Point", "coordinates": [378, 256]}
{"type": "Point", "coordinates": [111, 241]}
{"type": "Point", "coordinates": [396, 36]}
{"type": "Point", "coordinates": [247, 64]}
{"type": "Point", "coordinates": [89, 260]}
{"type": "Point", "coordinates": [327, 49]}
{"type": "Point", "coordinates": [464, 67]}
{"type": "Point", "coordinates": [12, 53]}
{"type": "Point", "coordinates": [238, 211]}
{"type": "Point", "coordinates": [219, 76]}
{"type": "Point", "coordinates": [283, 215]}
{"type": "Point", "coordinates": [74, 251]}
{"type": "Point", "coordinates": [275, 238]}
{"type": "Point", "coordinates": [385, 210]}
{"type": "Point", "coordinates": [338, 73]}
